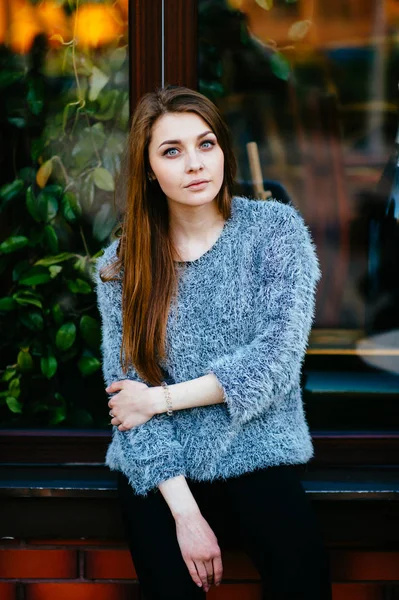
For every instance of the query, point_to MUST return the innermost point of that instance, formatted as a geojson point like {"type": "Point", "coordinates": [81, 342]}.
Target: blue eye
{"type": "Point", "coordinates": [174, 151]}
{"type": "Point", "coordinates": [166, 153]}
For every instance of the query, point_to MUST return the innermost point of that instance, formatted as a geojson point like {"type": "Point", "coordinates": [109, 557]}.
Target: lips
{"type": "Point", "coordinates": [197, 182]}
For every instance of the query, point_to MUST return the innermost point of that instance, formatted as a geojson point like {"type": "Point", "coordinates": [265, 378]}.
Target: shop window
{"type": "Point", "coordinates": [315, 93]}
{"type": "Point", "coordinates": [64, 118]}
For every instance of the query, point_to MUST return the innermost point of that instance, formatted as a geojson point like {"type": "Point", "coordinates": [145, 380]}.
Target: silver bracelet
{"type": "Point", "coordinates": [168, 399]}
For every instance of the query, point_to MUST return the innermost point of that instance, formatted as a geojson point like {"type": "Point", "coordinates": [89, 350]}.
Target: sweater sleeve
{"type": "Point", "coordinates": [150, 453]}
{"type": "Point", "coordinates": [257, 374]}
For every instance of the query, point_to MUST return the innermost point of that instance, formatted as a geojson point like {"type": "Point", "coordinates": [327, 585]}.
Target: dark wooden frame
{"type": "Point", "coordinates": [145, 47]}
{"type": "Point", "coordinates": [162, 31]}
{"type": "Point", "coordinates": [181, 42]}
{"type": "Point", "coordinates": [61, 447]}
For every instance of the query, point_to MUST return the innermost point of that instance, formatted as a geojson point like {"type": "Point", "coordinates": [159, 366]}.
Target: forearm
{"type": "Point", "coordinates": [179, 498]}
{"type": "Point", "coordinates": [201, 391]}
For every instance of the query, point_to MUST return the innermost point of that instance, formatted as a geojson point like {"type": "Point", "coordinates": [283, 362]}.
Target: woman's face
{"type": "Point", "coordinates": [183, 150]}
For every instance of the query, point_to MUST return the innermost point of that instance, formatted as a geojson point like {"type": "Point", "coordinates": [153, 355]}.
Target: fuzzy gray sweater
{"type": "Point", "coordinates": [244, 312]}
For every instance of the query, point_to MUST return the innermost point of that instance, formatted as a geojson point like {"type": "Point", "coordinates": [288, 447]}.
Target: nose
{"type": "Point", "coordinates": [193, 162]}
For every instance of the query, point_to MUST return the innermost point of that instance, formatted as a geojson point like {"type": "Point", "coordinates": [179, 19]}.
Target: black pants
{"type": "Point", "coordinates": [269, 512]}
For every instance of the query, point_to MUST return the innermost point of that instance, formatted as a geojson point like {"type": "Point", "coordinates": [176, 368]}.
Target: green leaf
{"type": "Point", "coordinates": [80, 265]}
{"type": "Point", "coordinates": [91, 331]}
{"type": "Point", "coordinates": [27, 300]}
{"type": "Point", "coordinates": [8, 374]}
{"type": "Point", "coordinates": [18, 122]}
{"type": "Point", "coordinates": [79, 286]}
{"type": "Point", "coordinates": [280, 66]}
{"type": "Point", "coordinates": [107, 105]}
{"type": "Point", "coordinates": [65, 336]}
{"type": "Point", "coordinates": [13, 404]}
{"type": "Point", "coordinates": [7, 304]}
{"type": "Point", "coordinates": [124, 115]}
{"type": "Point", "coordinates": [14, 387]}
{"type": "Point", "coordinates": [33, 320]}
{"type": "Point", "coordinates": [24, 361]}
{"type": "Point", "coordinates": [82, 151]}
{"type": "Point", "coordinates": [36, 148]}
{"type": "Point", "coordinates": [13, 243]}
{"type": "Point", "coordinates": [7, 78]}
{"type": "Point", "coordinates": [112, 152]}
{"type": "Point", "coordinates": [57, 314]}
{"type": "Point", "coordinates": [35, 276]}
{"type": "Point", "coordinates": [53, 260]}
{"type": "Point", "coordinates": [31, 204]}
{"type": "Point", "coordinates": [47, 205]}
{"type": "Point", "coordinates": [10, 190]}
{"type": "Point", "coordinates": [103, 223]}
{"type": "Point", "coordinates": [86, 193]}
{"type": "Point", "coordinates": [70, 207]}
{"type": "Point", "coordinates": [48, 365]}
{"type": "Point", "coordinates": [58, 415]}
{"type": "Point", "coordinates": [103, 179]}
{"type": "Point", "coordinates": [51, 238]}
{"type": "Point", "coordinates": [97, 81]}
{"type": "Point", "coordinates": [117, 58]}
{"type": "Point", "coordinates": [55, 270]}
{"type": "Point", "coordinates": [91, 138]}
{"type": "Point", "coordinates": [35, 96]}
{"type": "Point", "coordinates": [88, 365]}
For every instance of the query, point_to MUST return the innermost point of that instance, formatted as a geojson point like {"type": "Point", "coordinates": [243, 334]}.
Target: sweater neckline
{"type": "Point", "coordinates": [215, 245]}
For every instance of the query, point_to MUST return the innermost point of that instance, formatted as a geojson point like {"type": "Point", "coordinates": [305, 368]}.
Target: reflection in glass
{"type": "Point", "coordinates": [314, 85]}
{"type": "Point", "coordinates": [65, 109]}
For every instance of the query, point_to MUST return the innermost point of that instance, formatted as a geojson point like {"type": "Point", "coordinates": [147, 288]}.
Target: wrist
{"type": "Point", "coordinates": [186, 513]}
{"type": "Point", "coordinates": [157, 400]}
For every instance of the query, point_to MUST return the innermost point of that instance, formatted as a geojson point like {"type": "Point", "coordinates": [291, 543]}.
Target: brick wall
{"type": "Point", "coordinates": [102, 570]}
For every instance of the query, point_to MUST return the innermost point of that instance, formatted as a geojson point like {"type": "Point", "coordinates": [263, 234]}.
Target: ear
{"type": "Point", "coordinates": [151, 176]}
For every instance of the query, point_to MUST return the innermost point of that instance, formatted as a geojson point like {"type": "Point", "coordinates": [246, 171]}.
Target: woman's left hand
{"type": "Point", "coordinates": [130, 407]}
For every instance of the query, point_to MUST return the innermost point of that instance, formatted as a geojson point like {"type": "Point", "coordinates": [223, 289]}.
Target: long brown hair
{"type": "Point", "coordinates": [145, 251]}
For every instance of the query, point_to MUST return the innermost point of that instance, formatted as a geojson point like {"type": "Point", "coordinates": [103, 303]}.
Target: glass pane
{"type": "Point", "coordinates": [310, 88]}
{"type": "Point", "coordinates": [64, 118]}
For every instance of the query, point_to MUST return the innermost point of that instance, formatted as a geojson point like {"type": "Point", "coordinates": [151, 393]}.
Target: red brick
{"type": "Point", "coordinates": [109, 564]}
{"type": "Point", "coordinates": [37, 564]}
{"type": "Point", "coordinates": [81, 591]}
{"type": "Point", "coordinates": [366, 566]}
{"type": "Point", "coordinates": [235, 591]}
{"type": "Point", "coordinates": [7, 591]}
{"type": "Point", "coordinates": [357, 591]}
{"type": "Point", "coordinates": [237, 565]}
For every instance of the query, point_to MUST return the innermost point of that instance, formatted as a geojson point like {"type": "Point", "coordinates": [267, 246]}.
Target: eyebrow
{"type": "Point", "coordinates": [201, 135]}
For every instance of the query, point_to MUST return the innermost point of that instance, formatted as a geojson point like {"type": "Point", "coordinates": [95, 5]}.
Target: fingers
{"type": "Point", "coordinates": [209, 571]}
{"type": "Point", "coordinates": [201, 570]}
{"type": "Point", "coordinates": [217, 570]}
{"type": "Point", "coordinates": [193, 572]}
{"type": "Point", "coordinates": [115, 386]}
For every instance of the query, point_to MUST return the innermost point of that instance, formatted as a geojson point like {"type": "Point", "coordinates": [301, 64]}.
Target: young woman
{"type": "Point", "coordinates": [207, 301]}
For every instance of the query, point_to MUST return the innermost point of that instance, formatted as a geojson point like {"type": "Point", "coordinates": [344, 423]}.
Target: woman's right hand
{"type": "Point", "coordinates": [200, 550]}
